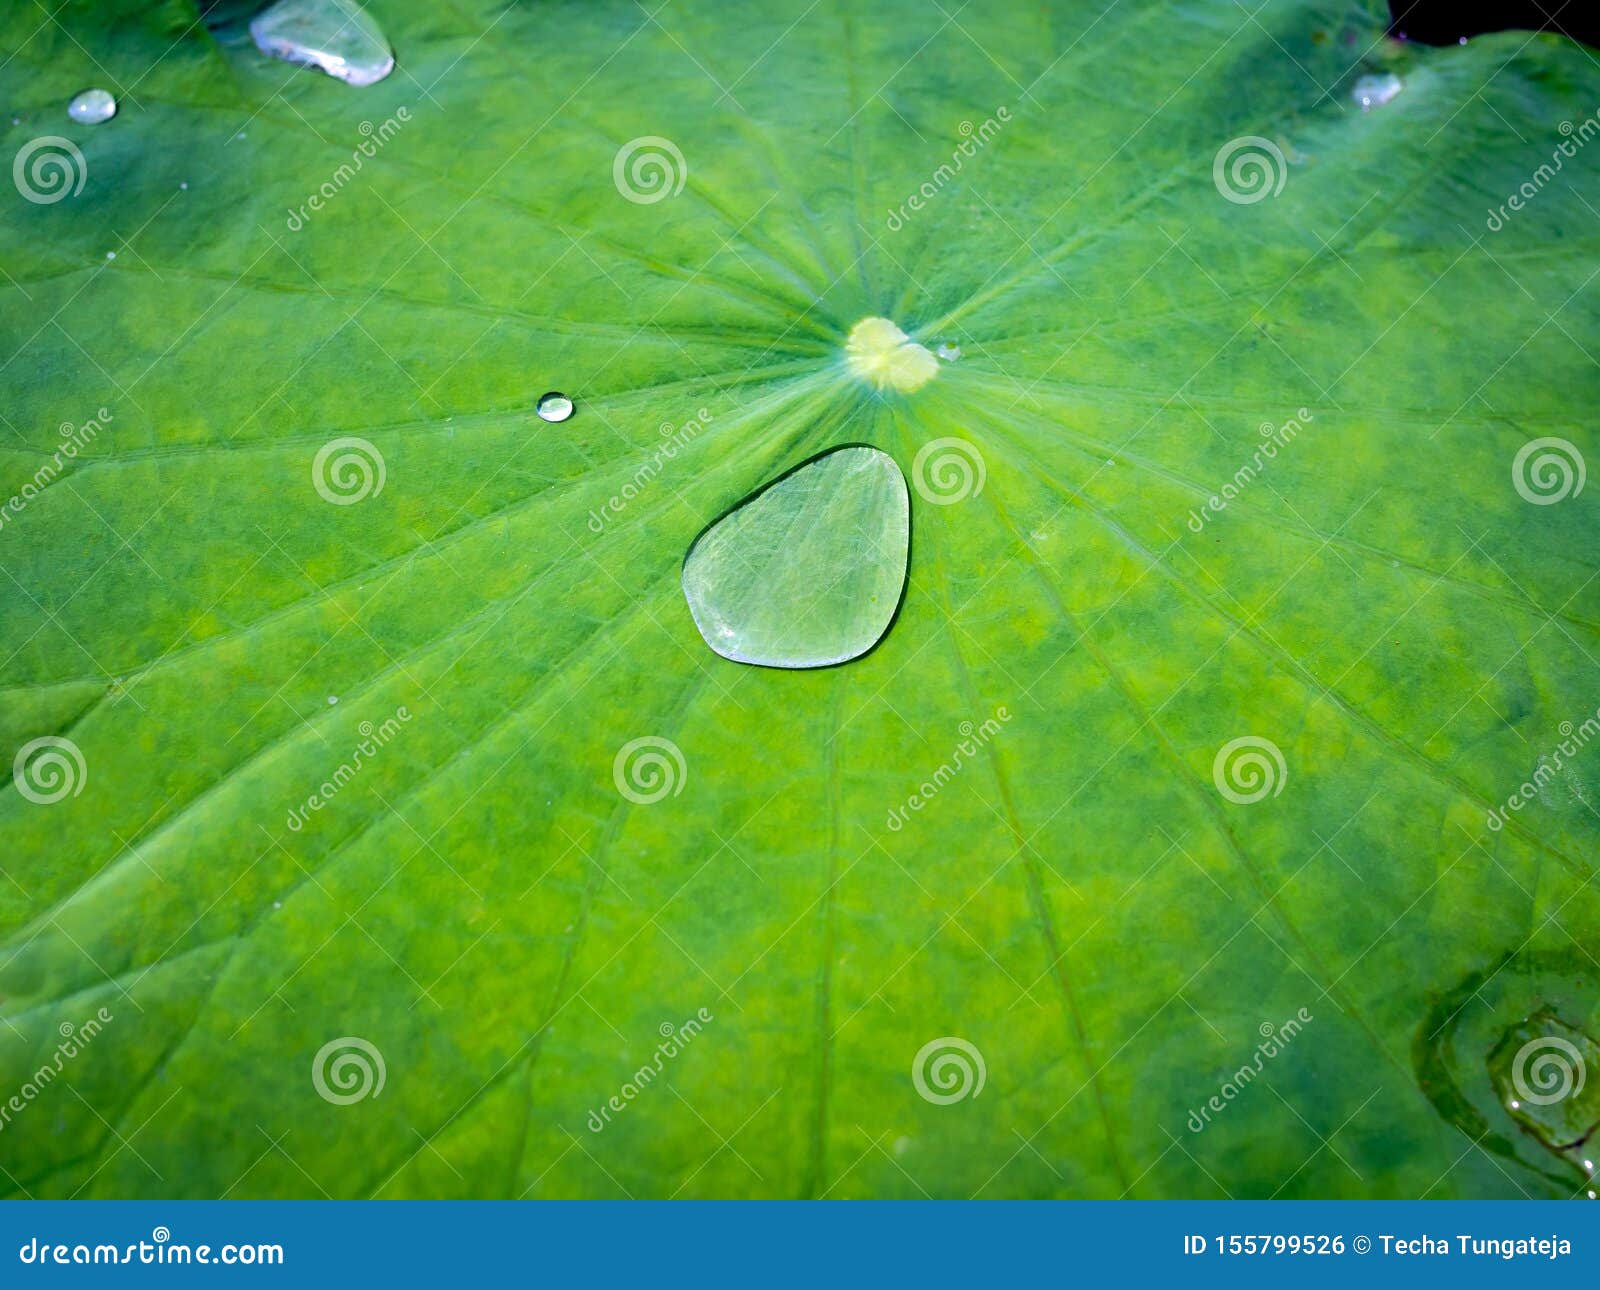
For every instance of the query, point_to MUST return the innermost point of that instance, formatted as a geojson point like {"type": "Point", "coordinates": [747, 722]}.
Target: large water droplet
{"type": "Point", "coordinates": [948, 351]}
{"type": "Point", "coordinates": [1375, 91]}
{"type": "Point", "coordinates": [808, 571]}
{"type": "Point", "coordinates": [554, 406]}
{"type": "Point", "coordinates": [1539, 1069]}
{"type": "Point", "coordinates": [91, 107]}
{"type": "Point", "coordinates": [334, 35]}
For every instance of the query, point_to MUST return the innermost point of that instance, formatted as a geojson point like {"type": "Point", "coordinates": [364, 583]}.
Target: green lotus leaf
{"type": "Point", "coordinates": [380, 823]}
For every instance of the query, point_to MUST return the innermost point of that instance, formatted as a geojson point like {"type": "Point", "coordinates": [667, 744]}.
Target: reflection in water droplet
{"type": "Point", "coordinates": [92, 107]}
{"type": "Point", "coordinates": [1375, 91]}
{"type": "Point", "coordinates": [949, 351]}
{"type": "Point", "coordinates": [554, 406]}
{"type": "Point", "coordinates": [334, 35]}
{"type": "Point", "coordinates": [808, 571]}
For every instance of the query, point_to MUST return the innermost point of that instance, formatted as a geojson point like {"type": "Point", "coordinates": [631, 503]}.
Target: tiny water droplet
{"type": "Point", "coordinates": [111, 255]}
{"type": "Point", "coordinates": [949, 351]}
{"type": "Point", "coordinates": [184, 184]}
{"type": "Point", "coordinates": [1375, 91]}
{"type": "Point", "coordinates": [332, 699]}
{"type": "Point", "coordinates": [91, 107]}
{"type": "Point", "coordinates": [554, 406]}
{"type": "Point", "coordinates": [334, 36]}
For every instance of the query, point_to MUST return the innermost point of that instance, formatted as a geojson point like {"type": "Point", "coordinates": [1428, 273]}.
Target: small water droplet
{"type": "Point", "coordinates": [554, 406]}
{"type": "Point", "coordinates": [332, 699]}
{"type": "Point", "coordinates": [949, 351]}
{"type": "Point", "coordinates": [333, 35]}
{"type": "Point", "coordinates": [1375, 91]}
{"type": "Point", "coordinates": [808, 571]}
{"type": "Point", "coordinates": [184, 184]}
{"type": "Point", "coordinates": [111, 255]}
{"type": "Point", "coordinates": [91, 107]}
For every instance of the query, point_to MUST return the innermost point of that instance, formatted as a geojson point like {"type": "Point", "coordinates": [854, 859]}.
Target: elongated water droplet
{"type": "Point", "coordinates": [1375, 91]}
{"type": "Point", "coordinates": [807, 572]}
{"type": "Point", "coordinates": [91, 107]}
{"type": "Point", "coordinates": [554, 406]}
{"type": "Point", "coordinates": [336, 36]}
